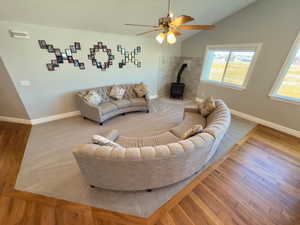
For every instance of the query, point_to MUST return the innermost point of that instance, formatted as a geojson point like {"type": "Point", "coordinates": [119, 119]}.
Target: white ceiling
{"type": "Point", "coordinates": [110, 15]}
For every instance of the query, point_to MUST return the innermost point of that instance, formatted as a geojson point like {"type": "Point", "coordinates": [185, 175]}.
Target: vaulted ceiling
{"type": "Point", "coordinates": [110, 15]}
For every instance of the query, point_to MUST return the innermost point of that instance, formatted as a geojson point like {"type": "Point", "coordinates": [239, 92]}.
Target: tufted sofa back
{"type": "Point", "coordinates": [143, 168]}
{"type": "Point", "coordinates": [152, 166]}
{"type": "Point", "coordinates": [217, 123]}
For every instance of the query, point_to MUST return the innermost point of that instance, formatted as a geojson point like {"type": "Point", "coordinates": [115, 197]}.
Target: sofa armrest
{"type": "Point", "coordinates": [88, 110]}
{"type": "Point", "coordinates": [147, 97]}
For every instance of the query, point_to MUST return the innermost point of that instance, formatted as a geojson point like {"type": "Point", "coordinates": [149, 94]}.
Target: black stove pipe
{"type": "Point", "coordinates": [183, 66]}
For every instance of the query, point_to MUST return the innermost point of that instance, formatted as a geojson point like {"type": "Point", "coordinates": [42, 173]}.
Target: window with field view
{"type": "Point", "coordinates": [229, 65]}
{"type": "Point", "coordinates": [288, 82]}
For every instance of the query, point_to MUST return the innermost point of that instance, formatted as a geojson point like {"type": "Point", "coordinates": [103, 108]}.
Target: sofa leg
{"type": "Point", "coordinates": [123, 114]}
{"type": "Point", "coordinates": [149, 190]}
{"type": "Point", "coordinates": [147, 111]}
{"type": "Point", "coordinates": [101, 124]}
{"type": "Point", "coordinates": [84, 118]}
{"type": "Point", "coordinates": [92, 186]}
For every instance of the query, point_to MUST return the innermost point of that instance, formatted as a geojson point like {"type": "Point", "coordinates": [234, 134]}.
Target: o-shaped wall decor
{"type": "Point", "coordinates": [92, 56]}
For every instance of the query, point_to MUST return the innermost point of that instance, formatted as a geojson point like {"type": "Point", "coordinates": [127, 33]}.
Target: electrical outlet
{"type": "Point", "coordinates": [25, 83]}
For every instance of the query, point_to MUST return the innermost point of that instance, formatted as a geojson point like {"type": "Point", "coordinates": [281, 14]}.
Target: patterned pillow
{"type": "Point", "coordinates": [140, 89]}
{"type": "Point", "coordinates": [117, 92]}
{"type": "Point", "coordinates": [206, 107]}
{"type": "Point", "coordinates": [93, 97]}
{"type": "Point", "coordinates": [100, 140]}
{"type": "Point", "coordinates": [196, 129]}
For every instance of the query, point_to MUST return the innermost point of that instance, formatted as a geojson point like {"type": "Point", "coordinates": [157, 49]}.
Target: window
{"type": "Point", "coordinates": [229, 65]}
{"type": "Point", "coordinates": [287, 85]}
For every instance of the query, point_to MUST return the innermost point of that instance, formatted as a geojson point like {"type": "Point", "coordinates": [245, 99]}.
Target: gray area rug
{"type": "Point", "coordinates": [49, 168]}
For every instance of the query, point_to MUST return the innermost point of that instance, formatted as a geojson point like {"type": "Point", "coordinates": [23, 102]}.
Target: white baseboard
{"type": "Point", "coordinates": [266, 123]}
{"type": "Point", "coordinates": [153, 96]}
{"type": "Point", "coordinates": [54, 117]}
{"type": "Point", "coordinates": [14, 120]}
{"type": "Point", "coordinates": [39, 120]}
{"type": "Point", "coordinates": [47, 118]}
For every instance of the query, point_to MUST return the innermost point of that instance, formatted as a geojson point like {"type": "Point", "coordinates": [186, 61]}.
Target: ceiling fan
{"type": "Point", "coordinates": [170, 28]}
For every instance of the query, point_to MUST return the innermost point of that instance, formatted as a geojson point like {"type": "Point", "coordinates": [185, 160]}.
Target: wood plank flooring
{"type": "Point", "coordinates": [258, 183]}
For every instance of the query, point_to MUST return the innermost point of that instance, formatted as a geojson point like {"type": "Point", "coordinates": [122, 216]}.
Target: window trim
{"type": "Point", "coordinates": [235, 47]}
{"type": "Point", "coordinates": [285, 66]}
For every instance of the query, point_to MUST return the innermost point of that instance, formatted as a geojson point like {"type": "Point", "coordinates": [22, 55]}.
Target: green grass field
{"type": "Point", "coordinates": [237, 71]}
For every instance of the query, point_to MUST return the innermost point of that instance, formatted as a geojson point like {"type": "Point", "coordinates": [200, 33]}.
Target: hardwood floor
{"type": "Point", "coordinates": [258, 183]}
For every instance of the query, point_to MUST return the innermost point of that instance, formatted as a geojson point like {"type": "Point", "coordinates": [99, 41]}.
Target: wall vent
{"type": "Point", "coordinates": [19, 34]}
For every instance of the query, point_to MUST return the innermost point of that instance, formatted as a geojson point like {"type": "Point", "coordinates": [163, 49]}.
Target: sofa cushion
{"type": "Point", "coordinates": [140, 89]}
{"type": "Point", "coordinates": [107, 107]}
{"type": "Point", "coordinates": [196, 129]}
{"type": "Point", "coordinates": [138, 102]}
{"type": "Point", "coordinates": [117, 92]}
{"type": "Point", "coordinates": [189, 121]}
{"type": "Point", "coordinates": [161, 139]}
{"type": "Point", "coordinates": [122, 103]}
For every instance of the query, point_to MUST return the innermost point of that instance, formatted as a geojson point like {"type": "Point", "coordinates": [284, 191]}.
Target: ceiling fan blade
{"type": "Point", "coordinates": [196, 27]}
{"type": "Point", "coordinates": [147, 32]}
{"type": "Point", "coordinates": [176, 32]}
{"type": "Point", "coordinates": [181, 20]}
{"type": "Point", "coordinates": [141, 25]}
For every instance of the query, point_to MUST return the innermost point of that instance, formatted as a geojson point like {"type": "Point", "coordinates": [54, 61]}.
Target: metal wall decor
{"type": "Point", "coordinates": [61, 57]}
{"type": "Point", "coordinates": [100, 47]}
{"type": "Point", "coordinates": [129, 57]}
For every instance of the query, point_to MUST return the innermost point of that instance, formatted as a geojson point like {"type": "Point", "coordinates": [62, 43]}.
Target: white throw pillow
{"type": "Point", "coordinates": [117, 92]}
{"type": "Point", "coordinates": [93, 97]}
{"type": "Point", "coordinates": [100, 140]}
{"type": "Point", "coordinates": [140, 89]}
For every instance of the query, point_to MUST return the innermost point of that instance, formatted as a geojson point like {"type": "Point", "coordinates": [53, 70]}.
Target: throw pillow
{"type": "Point", "coordinates": [206, 107]}
{"type": "Point", "coordinates": [93, 97]}
{"type": "Point", "coordinates": [196, 129]}
{"type": "Point", "coordinates": [140, 89]}
{"type": "Point", "coordinates": [100, 140]}
{"type": "Point", "coordinates": [117, 92]}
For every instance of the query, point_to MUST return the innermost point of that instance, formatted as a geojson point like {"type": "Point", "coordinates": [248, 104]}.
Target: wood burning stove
{"type": "Point", "coordinates": [177, 88]}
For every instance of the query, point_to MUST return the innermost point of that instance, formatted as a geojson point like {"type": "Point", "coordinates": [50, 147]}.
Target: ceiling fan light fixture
{"type": "Point", "coordinates": [160, 38]}
{"type": "Point", "coordinates": [171, 38]}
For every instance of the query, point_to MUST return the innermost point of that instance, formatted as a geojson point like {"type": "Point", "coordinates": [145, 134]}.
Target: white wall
{"type": "Point", "coordinates": [53, 92]}
{"type": "Point", "coordinates": [275, 23]}
{"type": "Point", "coordinates": [10, 102]}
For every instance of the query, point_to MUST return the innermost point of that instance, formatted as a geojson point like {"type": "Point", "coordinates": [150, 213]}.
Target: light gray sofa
{"type": "Point", "coordinates": [111, 107]}
{"type": "Point", "coordinates": [153, 166]}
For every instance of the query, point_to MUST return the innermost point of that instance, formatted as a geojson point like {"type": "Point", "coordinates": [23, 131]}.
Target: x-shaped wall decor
{"type": "Point", "coordinates": [67, 55]}
{"type": "Point", "coordinates": [129, 57]}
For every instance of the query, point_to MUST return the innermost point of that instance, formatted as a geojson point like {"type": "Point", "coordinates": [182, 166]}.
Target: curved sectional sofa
{"type": "Point", "coordinates": [148, 167]}
{"type": "Point", "coordinates": [111, 107]}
